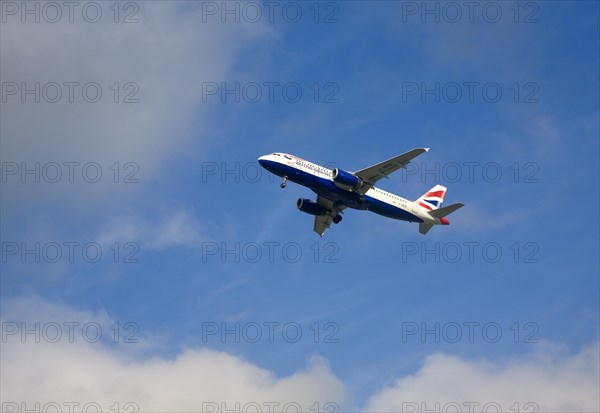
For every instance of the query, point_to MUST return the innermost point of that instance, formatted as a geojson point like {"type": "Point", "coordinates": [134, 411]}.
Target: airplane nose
{"type": "Point", "coordinates": [262, 161]}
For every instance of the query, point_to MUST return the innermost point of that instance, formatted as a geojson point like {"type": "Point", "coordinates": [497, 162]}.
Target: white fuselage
{"type": "Point", "coordinates": [320, 180]}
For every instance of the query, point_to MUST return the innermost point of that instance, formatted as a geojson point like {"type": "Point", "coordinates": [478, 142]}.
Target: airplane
{"type": "Point", "coordinates": [338, 189]}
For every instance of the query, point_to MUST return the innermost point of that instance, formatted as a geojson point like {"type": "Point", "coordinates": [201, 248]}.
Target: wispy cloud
{"type": "Point", "coordinates": [174, 226]}
{"type": "Point", "coordinates": [165, 57]}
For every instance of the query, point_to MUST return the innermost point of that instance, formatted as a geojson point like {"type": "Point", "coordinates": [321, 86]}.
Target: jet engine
{"type": "Point", "coordinates": [346, 180]}
{"type": "Point", "coordinates": [310, 207]}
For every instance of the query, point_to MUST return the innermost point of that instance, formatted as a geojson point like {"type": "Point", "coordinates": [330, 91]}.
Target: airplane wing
{"type": "Point", "coordinates": [322, 222]}
{"type": "Point", "coordinates": [374, 173]}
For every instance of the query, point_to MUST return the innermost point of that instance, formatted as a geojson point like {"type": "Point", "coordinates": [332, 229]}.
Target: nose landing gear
{"type": "Point", "coordinates": [284, 183]}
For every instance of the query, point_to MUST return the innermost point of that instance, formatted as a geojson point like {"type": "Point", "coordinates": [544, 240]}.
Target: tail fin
{"type": "Point", "coordinates": [433, 198]}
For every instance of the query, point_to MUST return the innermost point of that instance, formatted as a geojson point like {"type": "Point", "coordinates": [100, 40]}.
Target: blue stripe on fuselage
{"type": "Point", "coordinates": [326, 188]}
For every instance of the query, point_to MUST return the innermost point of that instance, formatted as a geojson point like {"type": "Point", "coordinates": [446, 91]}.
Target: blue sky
{"type": "Point", "coordinates": [512, 120]}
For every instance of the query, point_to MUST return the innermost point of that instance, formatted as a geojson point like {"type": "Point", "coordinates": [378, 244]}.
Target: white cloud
{"type": "Point", "coordinates": [196, 379]}
{"type": "Point", "coordinates": [105, 374]}
{"type": "Point", "coordinates": [550, 379]}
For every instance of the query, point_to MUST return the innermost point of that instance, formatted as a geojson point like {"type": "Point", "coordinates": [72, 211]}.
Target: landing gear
{"type": "Point", "coordinates": [284, 183]}
{"type": "Point", "coordinates": [337, 219]}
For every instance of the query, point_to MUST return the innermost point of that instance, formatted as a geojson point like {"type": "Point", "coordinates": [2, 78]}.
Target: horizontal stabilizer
{"type": "Point", "coordinates": [447, 210]}
{"type": "Point", "coordinates": [424, 228]}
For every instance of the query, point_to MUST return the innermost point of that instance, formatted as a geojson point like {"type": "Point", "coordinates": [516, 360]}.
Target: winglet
{"type": "Point", "coordinates": [426, 149]}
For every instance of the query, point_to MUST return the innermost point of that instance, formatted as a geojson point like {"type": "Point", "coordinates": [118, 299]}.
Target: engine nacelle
{"type": "Point", "coordinates": [310, 207]}
{"type": "Point", "coordinates": [346, 180]}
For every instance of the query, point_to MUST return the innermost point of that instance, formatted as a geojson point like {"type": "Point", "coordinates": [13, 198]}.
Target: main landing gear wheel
{"type": "Point", "coordinates": [337, 219]}
{"type": "Point", "coordinates": [284, 183]}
